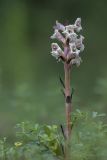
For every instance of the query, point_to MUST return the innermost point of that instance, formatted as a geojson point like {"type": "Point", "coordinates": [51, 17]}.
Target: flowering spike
{"type": "Point", "coordinates": [72, 43]}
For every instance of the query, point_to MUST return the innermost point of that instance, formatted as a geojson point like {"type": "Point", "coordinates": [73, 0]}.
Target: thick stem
{"type": "Point", "coordinates": [67, 70]}
{"type": "Point", "coordinates": [68, 105]}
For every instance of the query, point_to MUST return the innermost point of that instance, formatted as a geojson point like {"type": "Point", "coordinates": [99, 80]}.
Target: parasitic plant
{"type": "Point", "coordinates": [72, 45]}
{"type": "Point", "coordinates": [52, 142]}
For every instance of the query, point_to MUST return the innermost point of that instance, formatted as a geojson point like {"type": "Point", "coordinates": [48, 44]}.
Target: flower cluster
{"type": "Point", "coordinates": [72, 43]}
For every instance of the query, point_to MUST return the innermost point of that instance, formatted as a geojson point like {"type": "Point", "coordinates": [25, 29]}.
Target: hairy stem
{"type": "Point", "coordinates": [68, 105]}
{"type": "Point", "coordinates": [67, 70]}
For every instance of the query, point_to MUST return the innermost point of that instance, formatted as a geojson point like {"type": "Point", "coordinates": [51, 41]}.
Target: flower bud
{"type": "Point", "coordinates": [56, 50]}
{"type": "Point", "coordinates": [77, 25]}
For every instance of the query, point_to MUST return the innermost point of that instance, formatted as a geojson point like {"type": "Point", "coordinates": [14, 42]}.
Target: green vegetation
{"type": "Point", "coordinates": [34, 141]}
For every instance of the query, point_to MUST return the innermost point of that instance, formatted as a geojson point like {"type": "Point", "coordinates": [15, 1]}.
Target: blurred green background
{"type": "Point", "coordinates": [29, 75]}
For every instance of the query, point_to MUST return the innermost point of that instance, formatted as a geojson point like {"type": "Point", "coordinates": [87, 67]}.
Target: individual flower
{"type": "Point", "coordinates": [77, 25]}
{"type": "Point", "coordinates": [70, 35]}
{"type": "Point", "coordinates": [57, 35]}
{"type": "Point", "coordinates": [79, 43]}
{"type": "Point", "coordinates": [72, 47]}
{"type": "Point", "coordinates": [72, 43]}
{"type": "Point", "coordinates": [68, 30]}
{"type": "Point", "coordinates": [18, 144]}
{"type": "Point", "coordinates": [56, 50]}
{"type": "Point", "coordinates": [74, 50]}
{"type": "Point", "coordinates": [77, 60]}
{"type": "Point", "coordinates": [59, 26]}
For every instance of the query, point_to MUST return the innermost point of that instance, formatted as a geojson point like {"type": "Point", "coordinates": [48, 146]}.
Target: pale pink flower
{"type": "Point", "coordinates": [72, 45]}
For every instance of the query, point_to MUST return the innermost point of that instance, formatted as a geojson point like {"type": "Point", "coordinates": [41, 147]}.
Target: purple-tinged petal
{"type": "Point", "coordinates": [58, 36]}
{"type": "Point", "coordinates": [59, 26]}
